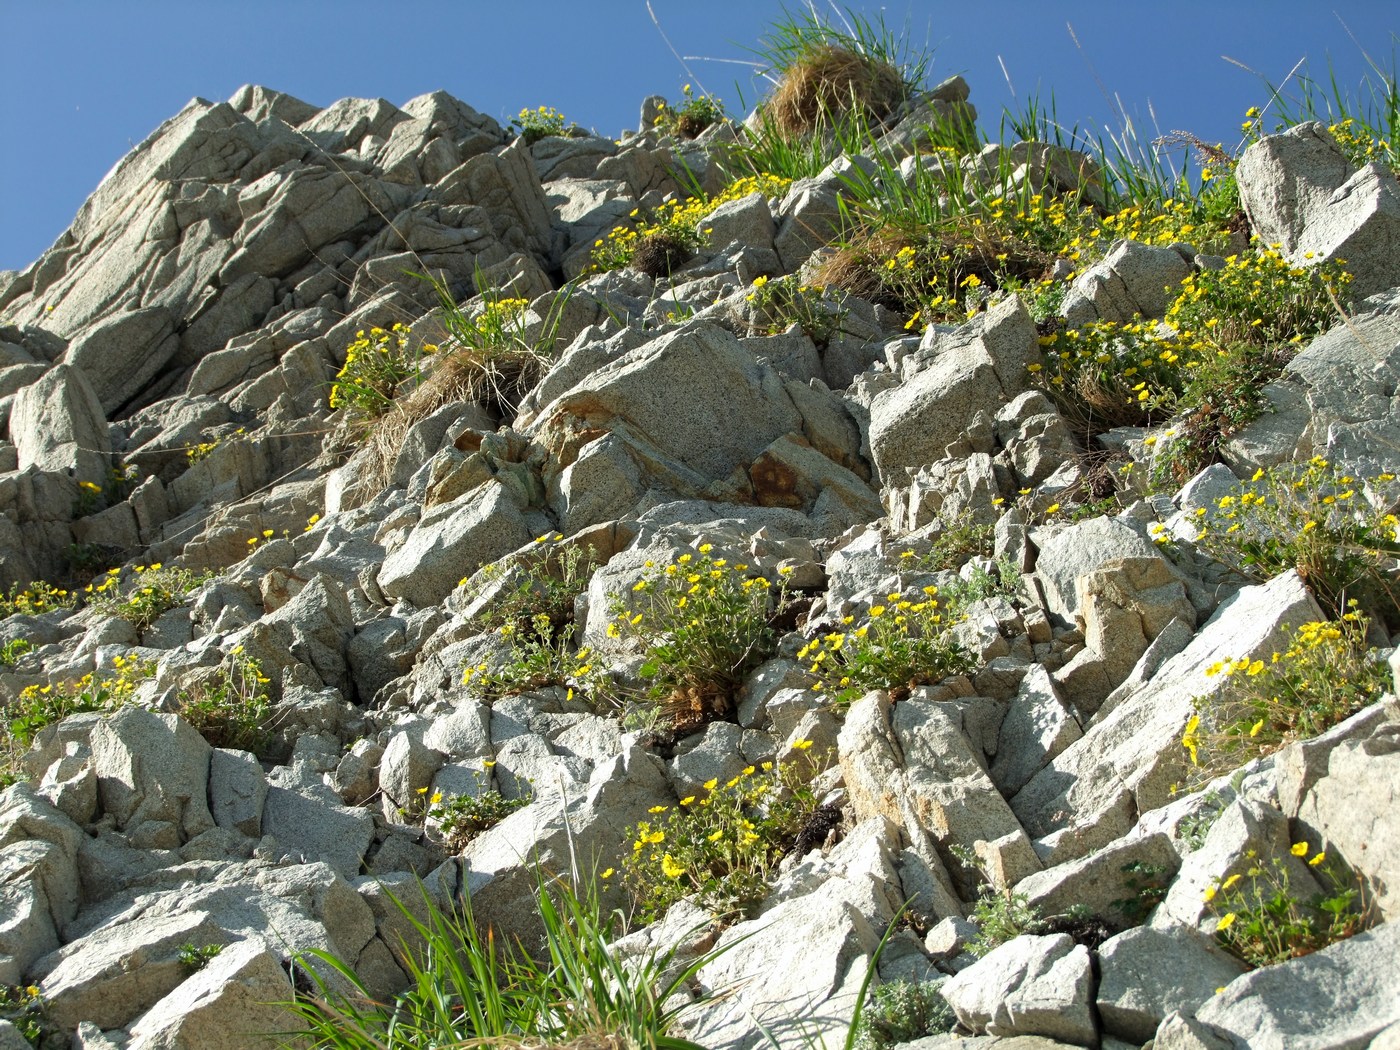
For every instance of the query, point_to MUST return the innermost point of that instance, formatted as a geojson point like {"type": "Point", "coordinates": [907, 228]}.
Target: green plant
{"type": "Point", "coordinates": [13, 650]}
{"type": "Point", "coordinates": [40, 705]}
{"type": "Point", "coordinates": [24, 1008]}
{"type": "Point", "coordinates": [35, 600]}
{"type": "Point", "coordinates": [1147, 887]}
{"type": "Point", "coordinates": [200, 450]}
{"type": "Point", "coordinates": [675, 230]}
{"type": "Point", "coordinates": [902, 1011]}
{"type": "Point", "coordinates": [787, 301]}
{"type": "Point", "coordinates": [958, 538]}
{"type": "Point", "coordinates": [1324, 675]}
{"type": "Point", "coordinates": [1263, 920]}
{"type": "Point", "coordinates": [1316, 519]}
{"type": "Point", "coordinates": [540, 122]}
{"type": "Point", "coordinates": [898, 647]}
{"type": "Point", "coordinates": [1001, 916]}
{"type": "Point", "coordinates": [196, 957]}
{"type": "Point", "coordinates": [704, 624]}
{"type": "Point", "coordinates": [692, 116]}
{"type": "Point", "coordinates": [826, 68]}
{"type": "Point", "coordinates": [460, 818]}
{"type": "Point", "coordinates": [466, 986]}
{"type": "Point", "coordinates": [722, 846]}
{"type": "Point", "coordinates": [376, 365]}
{"type": "Point", "coordinates": [1196, 825]}
{"type": "Point", "coordinates": [229, 705]}
{"type": "Point", "coordinates": [150, 591]}
{"type": "Point", "coordinates": [547, 581]}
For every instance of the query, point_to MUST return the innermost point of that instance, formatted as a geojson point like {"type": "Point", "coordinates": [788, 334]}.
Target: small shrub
{"type": "Point", "coordinates": [1325, 675]}
{"type": "Point", "coordinates": [13, 650]}
{"type": "Point", "coordinates": [35, 600]}
{"type": "Point", "coordinates": [1001, 916]}
{"type": "Point", "coordinates": [1147, 886]}
{"type": "Point", "coordinates": [541, 655]}
{"type": "Point", "coordinates": [693, 115]}
{"type": "Point", "coordinates": [24, 1007]}
{"type": "Point", "coordinates": [201, 450]}
{"type": "Point", "coordinates": [461, 818]}
{"type": "Point", "coordinates": [376, 365]}
{"type": "Point", "coordinates": [1263, 920]}
{"type": "Point", "coordinates": [230, 705]}
{"type": "Point", "coordinates": [787, 301]}
{"type": "Point", "coordinates": [549, 581]}
{"type": "Point", "coordinates": [658, 253]}
{"type": "Point", "coordinates": [705, 625]}
{"type": "Point", "coordinates": [723, 846]}
{"type": "Point", "coordinates": [1315, 519]}
{"type": "Point", "coordinates": [40, 705]}
{"type": "Point", "coordinates": [959, 538]}
{"type": "Point", "coordinates": [898, 647]}
{"type": "Point", "coordinates": [677, 223]}
{"type": "Point", "coordinates": [150, 591]}
{"type": "Point", "coordinates": [538, 123]}
{"type": "Point", "coordinates": [902, 1011]}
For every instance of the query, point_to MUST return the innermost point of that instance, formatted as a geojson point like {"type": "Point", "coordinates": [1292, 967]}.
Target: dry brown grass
{"type": "Point", "coordinates": [831, 82]}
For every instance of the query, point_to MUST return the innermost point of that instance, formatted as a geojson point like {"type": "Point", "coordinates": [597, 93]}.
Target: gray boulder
{"type": "Point", "coordinates": [152, 767]}
{"type": "Point", "coordinates": [1028, 986]}
{"type": "Point", "coordinates": [1146, 973]}
{"type": "Point", "coordinates": [975, 369]}
{"type": "Point", "coordinates": [1335, 999]}
{"type": "Point", "coordinates": [1132, 280]}
{"type": "Point", "coordinates": [57, 425]}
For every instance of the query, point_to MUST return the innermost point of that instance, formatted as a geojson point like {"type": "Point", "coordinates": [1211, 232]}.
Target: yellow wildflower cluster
{"type": "Point", "coordinates": [1324, 675]}
{"type": "Point", "coordinates": [150, 590]}
{"type": "Point", "coordinates": [1360, 145]}
{"type": "Point", "coordinates": [900, 644]}
{"type": "Point", "coordinates": [720, 843]}
{"type": "Point", "coordinates": [376, 363]}
{"type": "Point", "coordinates": [36, 599]}
{"type": "Point", "coordinates": [681, 220]}
{"type": "Point", "coordinates": [41, 705]}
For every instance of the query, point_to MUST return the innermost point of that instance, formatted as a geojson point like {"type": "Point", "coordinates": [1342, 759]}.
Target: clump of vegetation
{"type": "Point", "coordinates": [1325, 675]}
{"type": "Point", "coordinates": [1325, 523]}
{"type": "Point", "coordinates": [376, 365]}
{"type": "Point", "coordinates": [959, 538]}
{"type": "Point", "coordinates": [899, 645]}
{"type": "Point", "coordinates": [675, 231]}
{"type": "Point", "coordinates": [901, 1012]}
{"type": "Point", "coordinates": [692, 116]}
{"type": "Point", "coordinates": [201, 450]}
{"type": "Point", "coordinates": [786, 301]}
{"type": "Point", "coordinates": [461, 818]}
{"type": "Point", "coordinates": [539, 123]}
{"type": "Point", "coordinates": [230, 706]}
{"type": "Point", "coordinates": [705, 624]}
{"type": "Point", "coordinates": [40, 705]}
{"type": "Point", "coordinates": [149, 591]}
{"type": "Point", "coordinates": [720, 847]}
{"type": "Point", "coordinates": [195, 957]}
{"type": "Point", "coordinates": [24, 1007]}
{"type": "Point", "coordinates": [35, 600]}
{"type": "Point", "coordinates": [825, 72]}
{"type": "Point", "coordinates": [467, 986]}
{"type": "Point", "coordinates": [1263, 919]}
{"type": "Point", "coordinates": [12, 650]}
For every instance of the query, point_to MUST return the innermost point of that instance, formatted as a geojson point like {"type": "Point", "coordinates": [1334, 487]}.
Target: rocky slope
{"type": "Point", "coordinates": [204, 298]}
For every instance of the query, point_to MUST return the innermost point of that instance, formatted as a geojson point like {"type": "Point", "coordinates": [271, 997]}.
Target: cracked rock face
{"type": "Point", "coordinates": [164, 373]}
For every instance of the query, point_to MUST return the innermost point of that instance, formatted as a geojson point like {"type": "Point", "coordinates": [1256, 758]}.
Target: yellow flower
{"type": "Point", "coordinates": [801, 745]}
{"type": "Point", "coordinates": [437, 797]}
{"type": "Point", "coordinates": [670, 868]}
{"type": "Point", "coordinates": [1226, 921]}
{"type": "Point", "coordinates": [658, 809]}
{"type": "Point", "coordinates": [1317, 860]}
{"type": "Point", "coordinates": [1300, 849]}
{"type": "Point", "coordinates": [711, 784]}
{"type": "Point", "coordinates": [606, 873]}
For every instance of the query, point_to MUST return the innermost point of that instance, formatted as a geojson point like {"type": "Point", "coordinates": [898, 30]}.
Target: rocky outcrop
{"type": "Point", "coordinates": [380, 630]}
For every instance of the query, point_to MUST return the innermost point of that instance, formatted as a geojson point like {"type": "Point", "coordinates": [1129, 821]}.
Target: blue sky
{"type": "Point", "coordinates": [82, 81]}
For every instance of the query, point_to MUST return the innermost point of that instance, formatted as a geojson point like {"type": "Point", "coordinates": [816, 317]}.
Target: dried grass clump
{"type": "Point", "coordinates": [831, 82]}
{"type": "Point", "coordinates": [658, 254]}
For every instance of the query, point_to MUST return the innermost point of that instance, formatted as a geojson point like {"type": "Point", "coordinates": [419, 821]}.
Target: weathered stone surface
{"type": "Point", "coordinates": [976, 368]}
{"type": "Point", "coordinates": [1146, 973]}
{"type": "Point", "coordinates": [232, 1003]}
{"type": "Point", "coordinates": [1134, 755]}
{"type": "Point", "coordinates": [57, 424]}
{"type": "Point", "coordinates": [237, 791]}
{"type": "Point", "coordinates": [804, 985]}
{"type": "Point", "coordinates": [1079, 550]}
{"type": "Point", "coordinates": [1028, 986]}
{"type": "Point", "coordinates": [1349, 811]}
{"type": "Point", "coordinates": [912, 763]}
{"type": "Point", "coordinates": [319, 828]}
{"type": "Point", "coordinates": [152, 767]}
{"type": "Point", "coordinates": [123, 353]}
{"type": "Point", "coordinates": [451, 541]}
{"type": "Point", "coordinates": [1337, 998]}
{"type": "Point", "coordinates": [1037, 727]}
{"type": "Point", "coordinates": [1133, 279]}
{"type": "Point", "coordinates": [1108, 882]}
